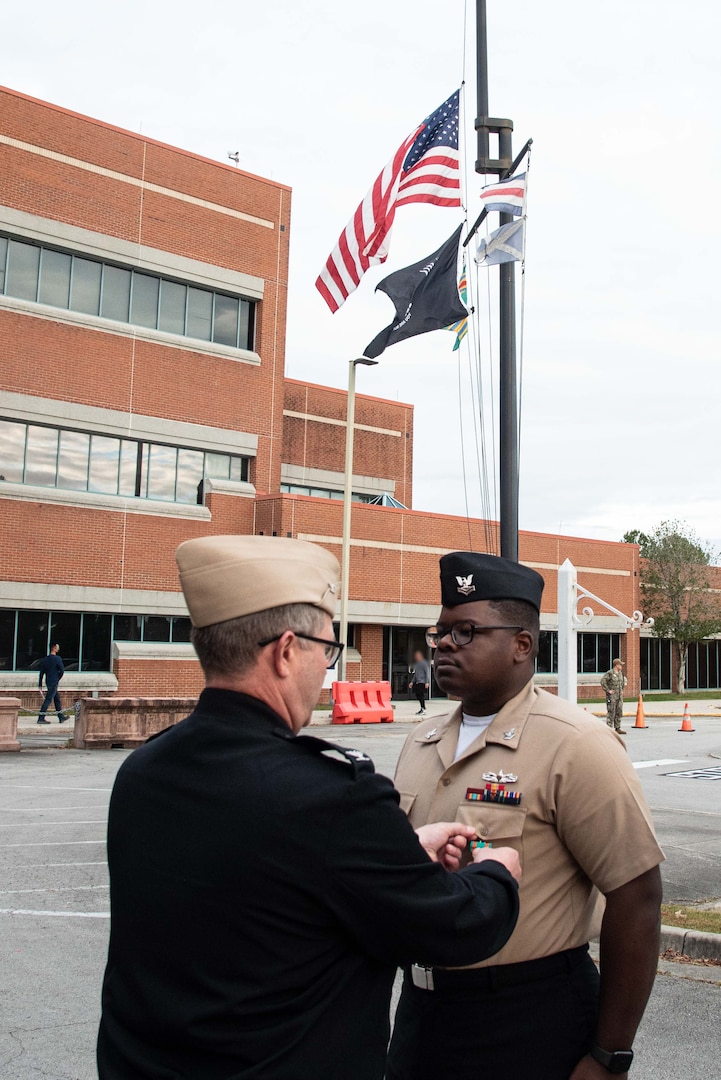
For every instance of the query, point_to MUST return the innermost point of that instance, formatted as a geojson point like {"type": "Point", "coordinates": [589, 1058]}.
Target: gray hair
{"type": "Point", "coordinates": [231, 647]}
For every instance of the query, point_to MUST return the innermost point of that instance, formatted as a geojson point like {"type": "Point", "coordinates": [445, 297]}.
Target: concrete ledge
{"type": "Point", "coordinates": [9, 708]}
{"type": "Point", "coordinates": [106, 723]}
{"type": "Point", "coordinates": [692, 943]}
{"type": "Point", "coordinates": [153, 650]}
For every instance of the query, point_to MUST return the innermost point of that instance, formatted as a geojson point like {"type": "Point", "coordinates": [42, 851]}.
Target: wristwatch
{"type": "Point", "coordinates": [616, 1062]}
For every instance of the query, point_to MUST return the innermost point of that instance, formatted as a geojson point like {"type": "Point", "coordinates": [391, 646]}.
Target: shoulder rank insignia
{"type": "Point", "coordinates": [357, 755]}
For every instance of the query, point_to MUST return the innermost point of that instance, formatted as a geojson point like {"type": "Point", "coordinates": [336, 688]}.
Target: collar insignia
{"type": "Point", "coordinates": [465, 585]}
{"type": "Point", "coordinates": [508, 735]}
{"type": "Point", "coordinates": [430, 734]}
{"type": "Point", "coordinates": [500, 777]}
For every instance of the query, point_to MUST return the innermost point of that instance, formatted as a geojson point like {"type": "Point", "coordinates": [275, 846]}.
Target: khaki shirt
{"type": "Point", "coordinates": [582, 827]}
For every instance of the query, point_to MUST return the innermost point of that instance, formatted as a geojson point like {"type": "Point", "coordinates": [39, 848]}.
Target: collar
{"type": "Point", "coordinates": [505, 729]}
{"type": "Point", "coordinates": [233, 706]}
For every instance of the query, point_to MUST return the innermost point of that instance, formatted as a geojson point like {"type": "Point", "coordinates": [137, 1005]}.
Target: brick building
{"type": "Point", "coordinates": [143, 401]}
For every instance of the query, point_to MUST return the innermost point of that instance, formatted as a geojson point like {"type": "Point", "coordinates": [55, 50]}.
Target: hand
{"type": "Point", "coordinates": [426, 685]}
{"type": "Point", "coordinates": [41, 691]}
{"type": "Point", "coordinates": [507, 856]}
{"type": "Point", "coordinates": [444, 842]}
{"type": "Point", "coordinates": [589, 1069]}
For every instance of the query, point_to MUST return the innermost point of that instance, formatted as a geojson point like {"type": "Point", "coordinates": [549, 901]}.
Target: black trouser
{"type": "Point", "coordinates": [419, 689]}
{"type": "Point", "coordinates": [534, 1020]}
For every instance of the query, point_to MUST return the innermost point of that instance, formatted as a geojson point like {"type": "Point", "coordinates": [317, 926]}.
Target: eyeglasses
{"type": "Point", "coordinates": [461, 633]}
{"type": "Point", "coordinates": [332, 649]}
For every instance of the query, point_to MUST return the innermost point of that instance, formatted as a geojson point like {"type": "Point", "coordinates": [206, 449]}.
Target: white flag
{"type": "Point", "coordinates": [502, 246]}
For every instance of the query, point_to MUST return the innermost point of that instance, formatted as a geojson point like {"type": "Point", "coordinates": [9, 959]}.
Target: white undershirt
{"type": "Point", "coordinates": [471, 727]}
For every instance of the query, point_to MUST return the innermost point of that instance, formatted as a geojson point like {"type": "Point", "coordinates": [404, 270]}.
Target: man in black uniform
{"type": "Point", "coordinates": [263, 890]}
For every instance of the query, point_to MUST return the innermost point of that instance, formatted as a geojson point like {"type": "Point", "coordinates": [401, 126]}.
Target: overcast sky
{"type": "Point", "coordinates": [620, 392]}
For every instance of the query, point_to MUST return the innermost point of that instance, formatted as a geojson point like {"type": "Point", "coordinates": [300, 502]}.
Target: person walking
{"type": "Point", "coordinates": [52, 670]}
{"type": "Point", "coordinates": [536, 773]}
{"type": "Point", "coordinates": [613, 684]}
{"type": "Point", "coordinates": [420, 680]}
{"type": "Point", "coordinates": [264, 884]}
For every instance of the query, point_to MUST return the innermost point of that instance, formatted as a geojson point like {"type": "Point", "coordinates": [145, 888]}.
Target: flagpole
{"type": "Point", "coordinates": [508, 389]}
{"type": "Point", "coordinates": [347, 503]}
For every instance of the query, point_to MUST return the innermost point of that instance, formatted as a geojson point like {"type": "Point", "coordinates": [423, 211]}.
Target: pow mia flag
{"type": "Point", "coordinates": [425, 296]}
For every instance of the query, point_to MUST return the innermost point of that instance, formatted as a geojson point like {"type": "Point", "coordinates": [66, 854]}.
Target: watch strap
{"type": "Point", "coordinates": [616, 1061]}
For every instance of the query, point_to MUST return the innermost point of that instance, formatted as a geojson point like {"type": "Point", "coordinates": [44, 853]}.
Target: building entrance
{"type": "Point", "coordinates": [400, 643]}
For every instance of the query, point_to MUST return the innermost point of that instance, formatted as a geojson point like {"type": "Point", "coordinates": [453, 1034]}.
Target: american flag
{"type": "Point", "coordinates": [423, 169]}
{"type": "Point", "coordinates": [506, 195]}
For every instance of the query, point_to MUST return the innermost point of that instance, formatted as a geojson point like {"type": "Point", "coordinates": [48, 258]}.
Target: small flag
{"type": "Point", "coordinates": [506, 196]}
{"type": "Point", "coordinates": [423, 169]}
{"type": "Point", "coordinates": [502, 246]}
{"type": "Point", "coordinates": [425, 296]}
{"type": "Point", "coordinates": [460, 328]}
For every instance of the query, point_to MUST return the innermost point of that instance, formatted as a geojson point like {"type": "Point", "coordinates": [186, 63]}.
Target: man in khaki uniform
{"type": "Point", "coordinates": [528, 771]}
{"type": "Point", "coordinates": [613, 684]}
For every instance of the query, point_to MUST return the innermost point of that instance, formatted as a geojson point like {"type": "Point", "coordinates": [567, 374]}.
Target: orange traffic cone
{"type": "Point", "coordinates": [640, 718]}
{"type": "Point", "coordinates": [686, 722]}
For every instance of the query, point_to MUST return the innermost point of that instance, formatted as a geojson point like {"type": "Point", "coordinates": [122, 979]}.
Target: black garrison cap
{"type": "Point", "coordinates": [467, 576]}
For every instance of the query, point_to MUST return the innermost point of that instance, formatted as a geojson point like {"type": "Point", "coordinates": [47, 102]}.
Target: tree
{"type": "Point", "coordinates": [677, 587]}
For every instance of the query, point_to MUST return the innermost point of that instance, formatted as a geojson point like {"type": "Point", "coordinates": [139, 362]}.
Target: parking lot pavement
{"type": "Point", "coordinates": [54, 897]}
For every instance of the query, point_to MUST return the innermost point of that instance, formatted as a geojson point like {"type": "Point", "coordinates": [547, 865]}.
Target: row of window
{"type": "Point", "coordinates": [322, 493]}
{"type": "Point", "coordinates": [85, 638]}
{"type": "Point", "coordinates": [78, 461]}
{"type": "Point", "coordinates": [595, 652]}
{"type": "Point", "coordinates": [64, 280]}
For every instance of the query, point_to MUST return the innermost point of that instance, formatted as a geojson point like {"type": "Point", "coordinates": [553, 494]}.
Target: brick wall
{"type": "Point", "coordinates": [377, 453]}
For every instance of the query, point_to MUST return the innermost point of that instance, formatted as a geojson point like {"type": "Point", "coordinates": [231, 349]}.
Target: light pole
{"type": "Point", "coordinates": [347, 502]}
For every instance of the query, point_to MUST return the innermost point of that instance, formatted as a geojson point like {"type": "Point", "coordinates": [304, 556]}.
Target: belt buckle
{"type": "Point", "coordinates": [422, 977]}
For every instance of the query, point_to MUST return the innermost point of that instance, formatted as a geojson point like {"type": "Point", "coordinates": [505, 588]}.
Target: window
{"type": "Point", "coordinates": [116, 294]}
{"type": "Point", "coordinates": [65, 280]}
{"type": "Point", "coordinates": [322, 493]}
{"type": "Point", "coordinates": [703, 671]}
{"type": "Point", "coordinates": [595, 652]}
{"type": "Point", "coordinates": [85, 638]}
{"type": "Point", "coordinates": [23, 262]}
{"type": "Point", "coordinates": [85, 287]}
{"type": "Point", "coordinates": [54, 278]}
{"type": "Point", "coordinates": [77, 461]}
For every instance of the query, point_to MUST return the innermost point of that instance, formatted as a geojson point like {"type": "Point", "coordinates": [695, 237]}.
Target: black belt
{"type": "Point", "coordinates": [489, 978]}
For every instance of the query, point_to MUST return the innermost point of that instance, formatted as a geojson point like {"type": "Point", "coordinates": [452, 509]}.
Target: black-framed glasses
{"type": "Point", "coordinates": [332, 649]}
{"type": "Point", "coordinates": [462, 633]}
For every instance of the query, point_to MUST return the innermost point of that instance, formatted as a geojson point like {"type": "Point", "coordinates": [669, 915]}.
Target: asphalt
{"type": "Point", "coordinates": [54, 895]}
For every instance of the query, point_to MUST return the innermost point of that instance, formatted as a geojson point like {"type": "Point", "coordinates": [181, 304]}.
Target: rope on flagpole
{"type": "Point", "coordinates": [521, 335]}
{"type": "Point", "coordinates": [463, 454]}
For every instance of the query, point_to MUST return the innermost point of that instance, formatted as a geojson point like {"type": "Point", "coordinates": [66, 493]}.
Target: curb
{"type": "Point", "coordinates": [692, 943]}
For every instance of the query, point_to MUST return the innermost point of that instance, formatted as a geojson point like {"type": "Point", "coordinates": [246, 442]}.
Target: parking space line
{"type": "Point", "coordinates": [45, 865]}
{"type": "Point", "coordinates": [54, 843]}
{"type": "Point", "coordinates": [43, 824]}
{"type": "Point", "coordinates": [659, 761]}
{"type": "Point", "coordinates": [683, 810]}
{"type": "Point", "coordinates": [57, 914]}
{"type": "Point", "coordinates": [43, 809]}
{"type": "Point", "coordinates": [46, 787]}
{"type": "Point", "coordinates": [61, 888]}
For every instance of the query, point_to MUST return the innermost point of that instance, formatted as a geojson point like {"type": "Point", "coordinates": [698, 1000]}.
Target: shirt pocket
{"type": "Point", "coordinates": [501, 826]}
{"type": "Point", "coordinates": [407, 801]}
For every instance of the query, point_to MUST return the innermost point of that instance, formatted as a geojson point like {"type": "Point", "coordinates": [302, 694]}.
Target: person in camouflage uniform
{"type": "Point", "coordinates": [613, 683]}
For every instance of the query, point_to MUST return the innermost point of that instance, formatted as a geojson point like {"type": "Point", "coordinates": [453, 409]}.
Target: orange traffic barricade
{"type": "Point", "coordinates": [362, 703]}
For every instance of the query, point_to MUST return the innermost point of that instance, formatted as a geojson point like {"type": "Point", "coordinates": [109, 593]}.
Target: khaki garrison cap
{"type": "Point", "coordinates": [226, 577]}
